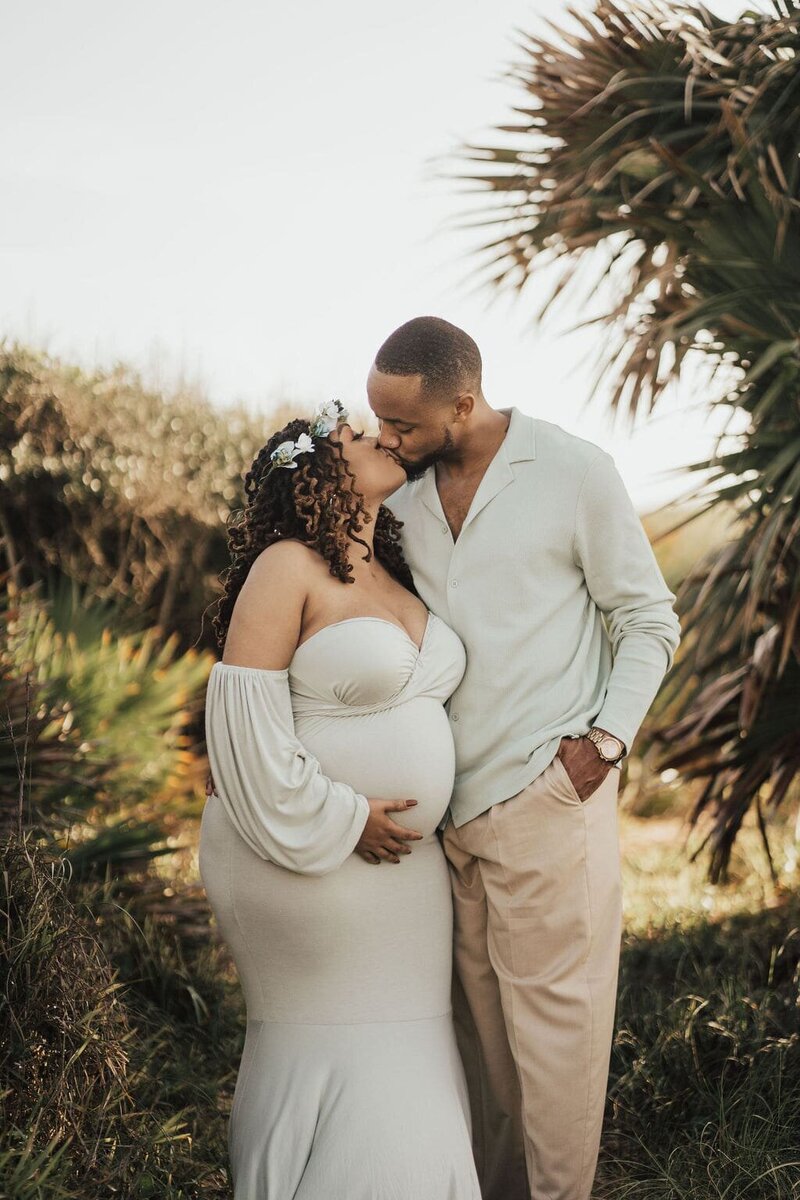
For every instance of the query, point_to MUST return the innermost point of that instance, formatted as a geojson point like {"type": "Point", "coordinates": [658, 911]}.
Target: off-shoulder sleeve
{"type": "Point", "coordinates": [272, 788]}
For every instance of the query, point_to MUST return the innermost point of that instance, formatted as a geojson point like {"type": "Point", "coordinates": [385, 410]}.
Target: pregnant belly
{"type": "Point", "coordinates": [402, 753]}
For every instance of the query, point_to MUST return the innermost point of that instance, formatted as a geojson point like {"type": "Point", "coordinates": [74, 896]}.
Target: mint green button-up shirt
{"type": "Point", "coordinates": [553, 588]}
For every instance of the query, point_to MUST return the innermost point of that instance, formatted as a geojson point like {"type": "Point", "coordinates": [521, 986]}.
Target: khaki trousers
{"type": "Point", "coordinates": [538, 922]}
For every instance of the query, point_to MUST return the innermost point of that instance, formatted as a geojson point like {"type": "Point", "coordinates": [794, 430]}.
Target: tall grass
{"type": "Point", "coordinates": [704, 1096]}
{"type": "Point", "coordinates": [128, 1025]}
{"type": "Point", "coordinates": [123, 1030]}
{"type": "Point", "coordinates": [123, 1036]}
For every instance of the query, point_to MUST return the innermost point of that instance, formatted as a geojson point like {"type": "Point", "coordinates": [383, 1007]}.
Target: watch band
{"type": "Point", "coordinates": [598, 736]}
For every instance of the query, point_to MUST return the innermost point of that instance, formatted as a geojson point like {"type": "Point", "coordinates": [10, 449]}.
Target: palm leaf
{"type": "Point", "coordinates": [658, 145]}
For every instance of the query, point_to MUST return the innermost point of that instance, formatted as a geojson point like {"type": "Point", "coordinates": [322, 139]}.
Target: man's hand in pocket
{"type": "Point", "coordinates": [584, 766]}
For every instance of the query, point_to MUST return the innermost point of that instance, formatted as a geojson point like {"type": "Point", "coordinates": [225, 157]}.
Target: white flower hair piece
{"type": "Point", "coordinates": [326, 416]}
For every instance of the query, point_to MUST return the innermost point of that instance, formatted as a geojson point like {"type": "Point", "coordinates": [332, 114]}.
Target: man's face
{"type": "Point", "coordinates": [414, 429]}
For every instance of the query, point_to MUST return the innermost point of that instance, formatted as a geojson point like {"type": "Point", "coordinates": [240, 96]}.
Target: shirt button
{"type": "Point", "coordinates": [455, 716]}
{"type": "Point", "coordinates": [444, 529]}
{"type": "Point", "coordinates": [453, 583]}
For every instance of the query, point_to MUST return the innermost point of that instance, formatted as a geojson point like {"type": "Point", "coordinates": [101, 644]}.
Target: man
{"type": "Point", "coordinates": [523, 539]}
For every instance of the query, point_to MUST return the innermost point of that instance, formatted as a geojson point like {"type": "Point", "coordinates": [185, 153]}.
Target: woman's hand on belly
{"type": "Point", "coordinates": [383, 838]}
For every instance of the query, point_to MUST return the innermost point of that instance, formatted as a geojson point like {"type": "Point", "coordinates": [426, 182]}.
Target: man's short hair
{"type": "Point", "coordinates": [445, 356]}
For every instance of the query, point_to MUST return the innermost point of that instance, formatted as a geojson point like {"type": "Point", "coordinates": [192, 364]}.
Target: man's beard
{"type": "Point", "coordinates": [415, 470]}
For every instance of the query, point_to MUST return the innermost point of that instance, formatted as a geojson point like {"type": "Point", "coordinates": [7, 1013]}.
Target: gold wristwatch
{"type": "Point", "coordinates": [610, 748]}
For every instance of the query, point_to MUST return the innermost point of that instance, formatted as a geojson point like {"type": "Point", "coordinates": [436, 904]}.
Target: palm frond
{"type": "Point", "coordinates": [659, 145]}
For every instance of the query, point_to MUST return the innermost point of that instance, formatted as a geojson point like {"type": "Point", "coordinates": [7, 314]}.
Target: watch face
{"type": "Point", "coordinates": [611, 747]}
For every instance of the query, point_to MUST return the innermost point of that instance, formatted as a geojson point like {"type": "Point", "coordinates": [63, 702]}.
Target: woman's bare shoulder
{"type": "Point", "coordinates": [286, 555]}
{"type": "Point", "coordinates": [267, 616]}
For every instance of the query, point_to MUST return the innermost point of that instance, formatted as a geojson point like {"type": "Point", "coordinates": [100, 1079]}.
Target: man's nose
{"type": "Point", "coordinates": [388, 438]}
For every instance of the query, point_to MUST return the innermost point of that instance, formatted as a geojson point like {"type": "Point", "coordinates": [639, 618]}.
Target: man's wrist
{"type": "Point", "coordinates": [610, 748]}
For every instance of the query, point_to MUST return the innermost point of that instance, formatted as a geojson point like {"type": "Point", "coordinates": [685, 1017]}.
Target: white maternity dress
{"type": "Point", "coordinates": [350, 1085]}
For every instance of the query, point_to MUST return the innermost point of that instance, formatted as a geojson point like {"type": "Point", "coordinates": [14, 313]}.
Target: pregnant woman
{"type": "Point", "coordinates": [333, 765]}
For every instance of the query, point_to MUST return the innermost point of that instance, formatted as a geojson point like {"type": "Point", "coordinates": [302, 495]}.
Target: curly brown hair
{"type": "Point", "coordinates": [311, 503]}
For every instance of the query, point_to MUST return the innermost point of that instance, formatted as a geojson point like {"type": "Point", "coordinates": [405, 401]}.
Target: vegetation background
{"type": "Point", "coordinates": [658, 149]}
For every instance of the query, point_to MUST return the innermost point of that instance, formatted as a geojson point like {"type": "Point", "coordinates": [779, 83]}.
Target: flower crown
{"type": "Point", "coordinates": [326, 416]}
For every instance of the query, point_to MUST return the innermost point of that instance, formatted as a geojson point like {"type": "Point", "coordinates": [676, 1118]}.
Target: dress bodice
{"type": "Point", "coordinates": [294, 775]}
{"type": "Point", "coordinates": [365, 664]}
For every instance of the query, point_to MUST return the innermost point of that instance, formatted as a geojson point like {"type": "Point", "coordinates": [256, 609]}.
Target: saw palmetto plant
{"type": "Point", "coordinates": [96, 748]}
{"type": "Point", "coordinates": [654, 156]}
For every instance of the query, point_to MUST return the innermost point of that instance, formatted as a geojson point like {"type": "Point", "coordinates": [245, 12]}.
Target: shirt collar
{"type": "Point", "coordinates": [519, 445]}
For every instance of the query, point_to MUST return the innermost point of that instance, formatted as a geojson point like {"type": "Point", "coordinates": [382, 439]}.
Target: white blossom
{"type": "Point", "coordinates": [283, 455]}
{"type": "Point", "coordinates": [326, 417]}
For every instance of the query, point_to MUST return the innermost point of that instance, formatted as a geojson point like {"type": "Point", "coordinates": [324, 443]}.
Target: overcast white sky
{"type": "Point", "coordinates": [245, 193]}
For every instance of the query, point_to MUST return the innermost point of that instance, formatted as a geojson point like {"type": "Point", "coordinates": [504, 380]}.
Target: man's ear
{"type": "Point", "coordinates": [463, 405]}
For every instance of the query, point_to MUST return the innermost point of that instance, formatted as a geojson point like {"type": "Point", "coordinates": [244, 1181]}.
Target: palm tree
{"type": "Point", "coordinates": [658, 145]}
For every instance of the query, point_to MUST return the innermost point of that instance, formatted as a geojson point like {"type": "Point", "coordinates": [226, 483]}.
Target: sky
{"type": "Point", "coordinates": [252, 196]}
